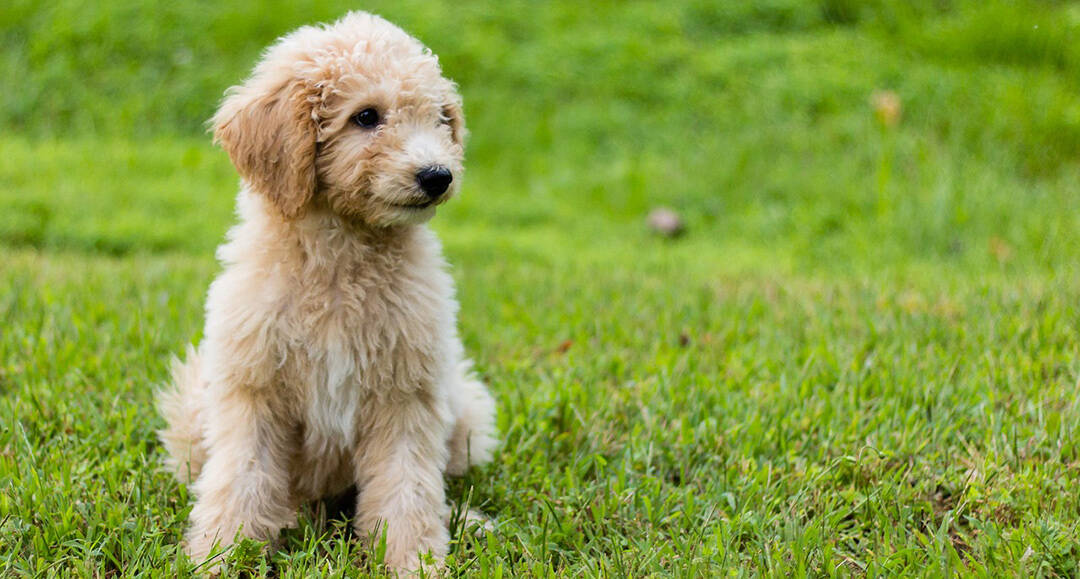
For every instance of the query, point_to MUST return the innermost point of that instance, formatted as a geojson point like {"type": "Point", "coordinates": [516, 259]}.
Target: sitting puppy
{"type": "Point", "coordinates": [330, 355]}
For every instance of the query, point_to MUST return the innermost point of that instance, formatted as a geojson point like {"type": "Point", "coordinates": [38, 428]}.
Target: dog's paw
{"type": "Point", "coordinates": [207, 563]}
{"type": "Point", "coordinates": [478, 523]}
{"type": "Point", "coordinates": [472, 520]}
{"type": "Point", "coordinates": [416, 566]}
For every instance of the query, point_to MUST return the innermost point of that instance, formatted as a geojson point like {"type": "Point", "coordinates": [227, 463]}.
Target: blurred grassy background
{"type": "Point", "coordinates": [752, 118]}
{"type": "Point", "coordinates": [862, 357]}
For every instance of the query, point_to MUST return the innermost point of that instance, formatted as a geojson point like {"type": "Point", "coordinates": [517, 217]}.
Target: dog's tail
{"type": "Point", "coordinates": [180, 403]}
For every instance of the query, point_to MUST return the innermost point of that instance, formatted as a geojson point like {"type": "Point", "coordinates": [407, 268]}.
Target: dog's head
{"type": "Point", "coordinates": [355, 116]}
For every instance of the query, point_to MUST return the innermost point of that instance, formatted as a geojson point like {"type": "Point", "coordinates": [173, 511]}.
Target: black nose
{"type": "Point", "coordinates": [434, 180]}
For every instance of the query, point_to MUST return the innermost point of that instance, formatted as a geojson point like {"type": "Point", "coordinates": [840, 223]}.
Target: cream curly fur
{"type": "Point", "coordinates": [331, 355]}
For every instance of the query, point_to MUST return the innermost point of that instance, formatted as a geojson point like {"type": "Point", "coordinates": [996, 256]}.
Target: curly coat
{"type": "Point", "coordinates": [330, 354]}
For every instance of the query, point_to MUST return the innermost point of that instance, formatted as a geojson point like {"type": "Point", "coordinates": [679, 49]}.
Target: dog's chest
{"type": "Point", "coordinates": [361, 335]}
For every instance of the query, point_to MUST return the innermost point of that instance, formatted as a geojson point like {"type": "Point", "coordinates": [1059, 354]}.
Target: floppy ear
{"type": "Point", "coordinates": [270, 136]}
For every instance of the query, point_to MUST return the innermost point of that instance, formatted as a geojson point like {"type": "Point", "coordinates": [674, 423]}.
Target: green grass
{"type": "Point", "coordinates": [862, 358]}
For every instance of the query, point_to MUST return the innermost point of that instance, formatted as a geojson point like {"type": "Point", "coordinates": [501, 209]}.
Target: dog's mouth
{"type": "Point", "coordinates": [417, 206]}
{"type": "Point", "coordinates": [415, 212]}
{"type": "Point", "coordinates": [412, 203]}
{"type": "Point", "coordinates": [421, 203]}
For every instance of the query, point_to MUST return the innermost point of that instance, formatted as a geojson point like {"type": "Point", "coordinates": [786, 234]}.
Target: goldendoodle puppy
{"type": "Point", "coordinates": [330, 355]}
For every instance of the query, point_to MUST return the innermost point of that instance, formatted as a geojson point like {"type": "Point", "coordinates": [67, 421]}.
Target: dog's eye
{"type": "Point", "coordinates": [445, 116]}
{"type": "Point", "coordinates": [367, 118]}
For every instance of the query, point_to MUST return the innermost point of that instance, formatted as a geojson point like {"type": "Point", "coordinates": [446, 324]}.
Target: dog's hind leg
{"type": "Point", "coordinates": [473, 437]}
{"type": "Point", "coordinates": [180, 404]}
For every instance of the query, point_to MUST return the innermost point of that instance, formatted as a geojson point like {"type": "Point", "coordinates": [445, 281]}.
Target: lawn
{"type": "Point", "coordinates": [863, 356]}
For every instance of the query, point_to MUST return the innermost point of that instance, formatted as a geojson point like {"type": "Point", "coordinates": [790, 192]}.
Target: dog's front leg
{"type": "Point", "coordinates": [400, 464]}
{"type": "Point", "coordinates": [244, 486]}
